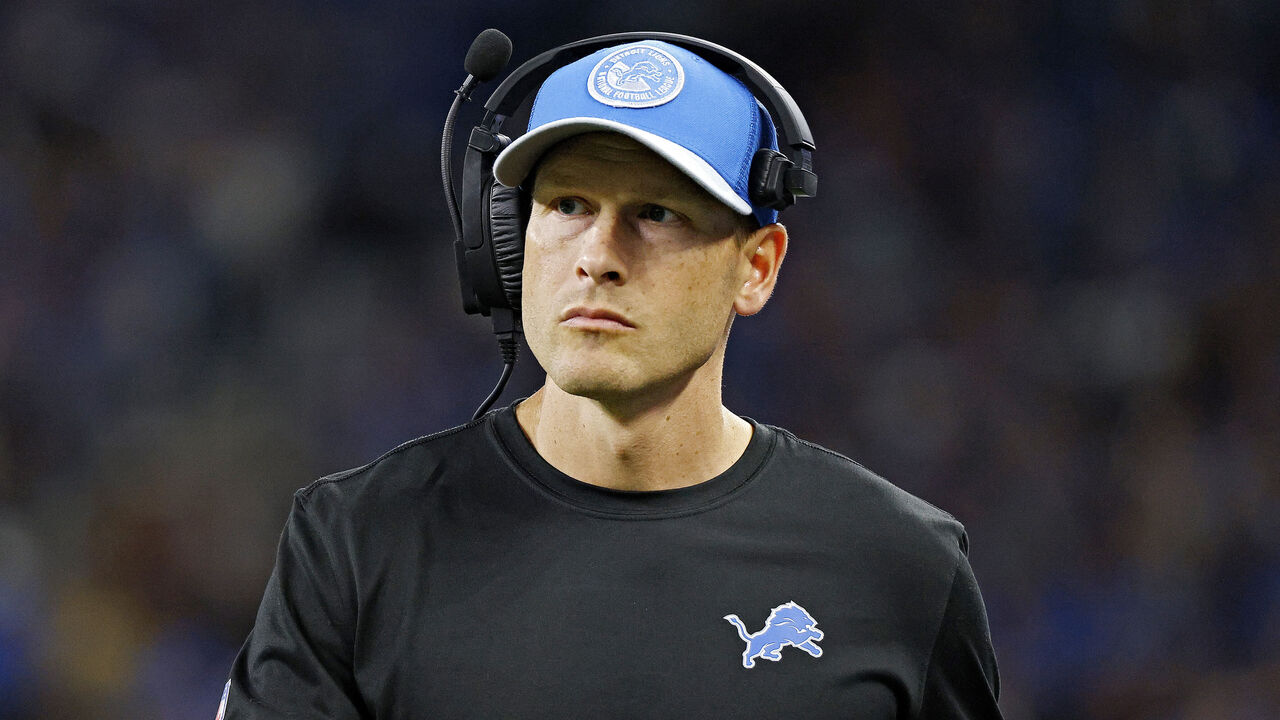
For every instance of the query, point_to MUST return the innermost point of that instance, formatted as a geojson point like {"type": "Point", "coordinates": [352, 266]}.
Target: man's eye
{"type": "Point", "coordinates": [570, 206]}
{"type": "Point", "coordinates": [658, 214]}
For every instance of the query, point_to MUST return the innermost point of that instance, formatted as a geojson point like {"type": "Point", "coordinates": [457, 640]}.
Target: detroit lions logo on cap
{"type": "Point", "coordinates": [636, 76]}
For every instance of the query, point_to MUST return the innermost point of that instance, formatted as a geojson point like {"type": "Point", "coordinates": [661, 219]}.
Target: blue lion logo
{"type": "Point", "coordinates": [788, 624]}
{"type": "Point", "coordinates": [644, 75]}
{"type": "Point", "coordinates": [645, 69]}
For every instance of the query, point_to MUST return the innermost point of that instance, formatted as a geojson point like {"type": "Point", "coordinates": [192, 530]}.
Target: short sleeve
{"type": "Point", "coordinates": [962, 680]}
{"type": "Point", "coordinates": [297, 661]}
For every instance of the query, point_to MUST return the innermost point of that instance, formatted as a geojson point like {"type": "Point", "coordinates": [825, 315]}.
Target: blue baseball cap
{"type": "Point", "coordinates": [702, 120]}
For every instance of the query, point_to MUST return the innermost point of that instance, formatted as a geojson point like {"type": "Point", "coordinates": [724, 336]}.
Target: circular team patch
{"type": "Point", "coordinates": [637, 76]}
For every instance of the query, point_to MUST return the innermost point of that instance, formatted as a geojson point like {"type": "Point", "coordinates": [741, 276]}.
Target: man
{"type": "Point", "coordinates": [620, 545]}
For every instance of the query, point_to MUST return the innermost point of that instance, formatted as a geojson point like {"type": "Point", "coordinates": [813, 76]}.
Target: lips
{"type": "Point", "coordinates": [595, 319]}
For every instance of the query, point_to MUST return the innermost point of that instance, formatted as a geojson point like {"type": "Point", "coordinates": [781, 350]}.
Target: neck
{"type": "Point", "coordinates": [664, 440]}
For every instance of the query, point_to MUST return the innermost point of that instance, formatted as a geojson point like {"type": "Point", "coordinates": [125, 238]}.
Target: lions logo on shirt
{"type": "Point", "coordinates": [788, 624]}
{"type": "Point", "coordinates": [637, 76]}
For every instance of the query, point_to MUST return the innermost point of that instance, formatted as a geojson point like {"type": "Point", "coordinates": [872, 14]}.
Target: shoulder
{"type": "Point", "coordinates": [879, 508]}
{"type": "Point", "coordinates": [402, 475]}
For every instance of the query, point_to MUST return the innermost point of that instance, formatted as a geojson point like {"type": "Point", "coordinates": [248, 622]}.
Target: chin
{"type": "Point", "coordinates": [611, 384]}
{"type": "Point", "coordinates": [611, 373]}
{"type": "Point", "coordinates": [585, 369]}
{"type": "Point", "coordinates": [593, 383]}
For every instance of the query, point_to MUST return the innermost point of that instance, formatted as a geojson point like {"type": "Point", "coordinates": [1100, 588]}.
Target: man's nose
{"type": "Point", "coordinates": [602, 258]}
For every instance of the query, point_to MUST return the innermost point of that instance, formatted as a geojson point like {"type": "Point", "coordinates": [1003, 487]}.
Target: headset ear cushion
{"type": "Point", "coordinates": [766, 183]}
{"type": "Point", "coordinates": [506, 233]}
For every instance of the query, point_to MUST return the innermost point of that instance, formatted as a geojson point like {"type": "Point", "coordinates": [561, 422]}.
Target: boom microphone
{"type": "Point", "coordinates": [486, 57]}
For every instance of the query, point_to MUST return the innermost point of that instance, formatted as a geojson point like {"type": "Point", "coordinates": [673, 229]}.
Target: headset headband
{"type": "Point", "coordinates": [526, 79]}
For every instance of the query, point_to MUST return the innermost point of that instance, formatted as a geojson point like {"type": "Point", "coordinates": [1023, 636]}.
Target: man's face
{"type": "Point", "coordinates": [630, 270]}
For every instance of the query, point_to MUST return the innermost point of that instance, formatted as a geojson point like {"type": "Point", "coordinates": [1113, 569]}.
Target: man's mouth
{"type": "Point", "coordinates": [587, 318]}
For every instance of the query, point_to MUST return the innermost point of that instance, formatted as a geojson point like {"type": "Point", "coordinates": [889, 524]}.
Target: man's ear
{"type": "Point", "coordinates": [761, 258]}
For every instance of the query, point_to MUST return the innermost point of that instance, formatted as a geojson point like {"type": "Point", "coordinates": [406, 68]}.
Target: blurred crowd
{"type": "Point", "coordinates": [1040, 288]}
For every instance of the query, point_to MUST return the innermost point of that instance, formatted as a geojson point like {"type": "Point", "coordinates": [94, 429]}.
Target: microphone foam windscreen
{"type": "Point", "coordinates": [488, 54]}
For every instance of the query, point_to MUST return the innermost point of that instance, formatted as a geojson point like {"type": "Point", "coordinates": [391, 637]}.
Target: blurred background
{"type": "Point", "coordinates": [1040, 288]}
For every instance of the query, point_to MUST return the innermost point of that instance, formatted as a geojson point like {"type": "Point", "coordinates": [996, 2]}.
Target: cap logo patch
{"type": "Point", "coordinates": [637, 76]}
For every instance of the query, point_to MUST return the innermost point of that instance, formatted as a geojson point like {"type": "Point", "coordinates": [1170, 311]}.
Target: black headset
{"type": "Point", "coordinates": [489, 246]}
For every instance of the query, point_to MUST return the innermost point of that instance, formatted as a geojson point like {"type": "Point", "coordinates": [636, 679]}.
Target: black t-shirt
{"type": "Point", "coordinates": [461, 576]}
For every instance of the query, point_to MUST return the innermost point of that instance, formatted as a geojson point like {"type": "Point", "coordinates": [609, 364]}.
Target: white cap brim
{"type": "Point", "coordinates": [517, 159]}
